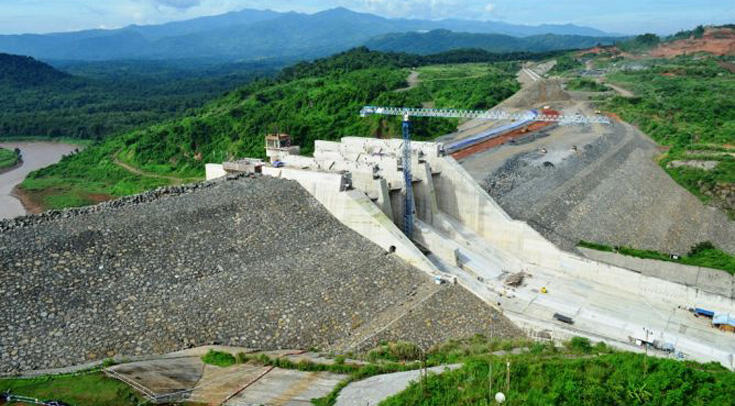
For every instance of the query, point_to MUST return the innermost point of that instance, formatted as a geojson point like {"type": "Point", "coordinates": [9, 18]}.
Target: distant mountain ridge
{"type": "Point", "coordinates": [444, 40]}
{"type": "Point", "coordinates": [249, 35]}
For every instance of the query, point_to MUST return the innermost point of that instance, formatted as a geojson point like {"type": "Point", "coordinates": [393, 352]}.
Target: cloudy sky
{"type": "Point", "coordinates": [623, 16]}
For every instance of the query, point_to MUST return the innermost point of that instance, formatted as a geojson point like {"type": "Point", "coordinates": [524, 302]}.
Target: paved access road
{"type": "Point", "coordinates": [374, 390]}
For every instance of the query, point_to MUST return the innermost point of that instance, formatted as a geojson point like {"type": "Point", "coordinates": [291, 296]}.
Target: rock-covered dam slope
{"type": "Point", "coordinates": [253, 262]}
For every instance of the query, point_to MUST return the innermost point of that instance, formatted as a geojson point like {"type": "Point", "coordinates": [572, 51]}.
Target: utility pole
{"type": "Point", "coordinates": [507, 378]}
{"type": "Point", "coordinates": [493, 319]}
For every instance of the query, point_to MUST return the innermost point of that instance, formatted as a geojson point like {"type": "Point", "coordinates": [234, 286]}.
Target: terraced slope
{"type": "Point", "coordinates": [247, 262]}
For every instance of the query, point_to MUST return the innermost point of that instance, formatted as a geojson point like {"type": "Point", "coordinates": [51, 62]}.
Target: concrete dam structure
{"type": "Point", "coordinates": [461, 235]}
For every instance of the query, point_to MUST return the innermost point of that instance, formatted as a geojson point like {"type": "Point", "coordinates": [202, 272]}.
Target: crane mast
{"type": "Point", "coordinates": [408, 112]}
{"type": "Point", "coordinates": [407, 178]}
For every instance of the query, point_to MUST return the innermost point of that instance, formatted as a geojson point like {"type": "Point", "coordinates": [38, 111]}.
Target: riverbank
{"type": "Point", "coordinates": [35, 155]}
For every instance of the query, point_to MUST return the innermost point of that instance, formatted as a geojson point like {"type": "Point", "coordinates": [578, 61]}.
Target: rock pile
{"type": "Point", "coordinates": [253, 262]}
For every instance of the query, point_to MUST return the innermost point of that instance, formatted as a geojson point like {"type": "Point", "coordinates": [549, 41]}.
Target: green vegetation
{"type": "Point", "coordinates": [540, 374]}
{"type": "Point", "coordinates": [38, 100]}
{"type": "Point", "coordinates": [640, 43]}
{"type": "Point", "coordinates": [8, 158]}
{"type": "Point", "coordinates": [92, 389]}
{"type": "Point", "coordinates": [398, 351]}
{"type": "Point", "coordinates": [311, 101]}
{"type": "Point", "coordinates": [219, 358]}
{"type": "Point", "coordinates": [686, 34]}
{"type": "Point", "coordinates": [566, 63]}
{"type": "Point", "coordinates": [580, 374]}
{"type": "Point", "coordinates": [85, 178]}
{"type": "Point", "coordinates": [685, 104]}
{"type": "Point", "coordinates": [586, 85]}
{"type": "Point", "coordinates": [704, 254]}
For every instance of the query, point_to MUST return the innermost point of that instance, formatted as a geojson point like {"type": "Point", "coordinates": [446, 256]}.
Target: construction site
{"type": "Point", "coordinates": [448, 226]}
{"type": "Point", "coordinates": [373, 240]}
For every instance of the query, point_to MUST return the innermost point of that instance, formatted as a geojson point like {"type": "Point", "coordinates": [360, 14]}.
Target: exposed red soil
{"type": "Point", "coordinates": [100, 197]}
{"type": "Point", "coordinates": [497, 141]}
{"type": "Point", "coordinates": [729, 66]}
{"type": "Point", "coordinates": [30, 204]}
{"type": "Point", "coordinates": [612, 50]}
{"type": "Point", "coordinates": [716, 41]}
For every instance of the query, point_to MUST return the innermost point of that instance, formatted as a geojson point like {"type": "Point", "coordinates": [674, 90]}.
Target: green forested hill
{"type": "Point", "coordinates": [311, 102]}
{"type": "Point", "coordinates": [18, 70]}
{"type": "Point", "coordinates": [39, 100]}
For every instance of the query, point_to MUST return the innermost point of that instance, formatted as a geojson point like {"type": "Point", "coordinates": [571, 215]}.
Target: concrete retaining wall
{"type": "Point", "coordinates": [708, 280]}
{"type": "Point", "coordinates": [461, 197]}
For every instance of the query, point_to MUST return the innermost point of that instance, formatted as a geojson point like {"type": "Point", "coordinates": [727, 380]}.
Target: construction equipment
{"type": "Point", "coordinates": [519, 119]}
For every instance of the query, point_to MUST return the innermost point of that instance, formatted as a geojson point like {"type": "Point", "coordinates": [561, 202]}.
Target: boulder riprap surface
{"type": "Point", "coordinates": [254, 262]}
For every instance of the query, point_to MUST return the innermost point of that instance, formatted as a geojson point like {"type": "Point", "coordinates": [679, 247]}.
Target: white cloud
{"type": "Point", "coordinates": [178, 4]}
{"type": "Point", "coordinates": [490, 7]}
{"type": "Point", "coordinates": [429, 9]}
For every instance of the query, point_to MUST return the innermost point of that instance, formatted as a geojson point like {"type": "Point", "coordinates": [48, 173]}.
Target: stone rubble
{"type": "Point", "coordinates": [253, 262]}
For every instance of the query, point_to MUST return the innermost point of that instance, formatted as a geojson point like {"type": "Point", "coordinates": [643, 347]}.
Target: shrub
{"type": "Point", "coordinates": [701, 247]}
{"type": "Point", "coordinates": [396, 351]}
{"type": "Point", "coordinates": [219, 358]}
{"type": "Point", "coordinates": [242, 358]}
{"type": "Point", "coordinates": [579, 344]}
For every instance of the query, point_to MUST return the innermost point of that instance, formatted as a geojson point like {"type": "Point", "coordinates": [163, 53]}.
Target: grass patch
{"type": "Point", "coordinates": [587, 85]}
{"type": "Point", "coordinates": [79, 390]}
{"type": "Point", "coordinates": [8, 158]}
{"type": "Point", "coordinates": [219, 358]}
{"type": "Point", "coordinates": [398, 351]}
{"type": "Point", "coordinates": [579, 377]}
{"type": "Point", "coordinates": [704, 254]}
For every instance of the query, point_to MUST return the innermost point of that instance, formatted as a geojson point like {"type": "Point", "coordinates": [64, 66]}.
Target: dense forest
{"type": "Point", "coordinates": [105, 98]}
{"type": "Point", "coordinates": [311, 101]}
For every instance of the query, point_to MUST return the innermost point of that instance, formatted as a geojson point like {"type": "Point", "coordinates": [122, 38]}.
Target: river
{"type": "Point", "coordinates": [36, 155]}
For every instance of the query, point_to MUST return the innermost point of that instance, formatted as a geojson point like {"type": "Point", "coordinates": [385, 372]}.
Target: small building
{"type": "Point", "coordinates": [278, 146]}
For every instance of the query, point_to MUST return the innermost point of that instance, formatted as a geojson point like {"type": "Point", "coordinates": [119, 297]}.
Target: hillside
{"type": "Point", "coordinates": [17, 71]}
{"type": "Point", "coordinates": [444, 40]}
{"type": "Point", "coordinates": [250, 35]}
{"type": "Point", "coordinates": [310, 101]}
{"type": "Point", "coordinates": [686, 105]}
{"type": "Point", "coordinates": [97, 100]}
{"type": "Point", "coordinates": [712, 40]}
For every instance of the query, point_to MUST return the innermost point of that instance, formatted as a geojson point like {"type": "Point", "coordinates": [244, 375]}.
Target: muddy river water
{"type": "Point", "coordinates": [36, 155]}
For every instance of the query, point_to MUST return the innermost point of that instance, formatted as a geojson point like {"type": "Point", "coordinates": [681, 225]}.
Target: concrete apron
{"type": "Point", "coordinates": [473, 242]}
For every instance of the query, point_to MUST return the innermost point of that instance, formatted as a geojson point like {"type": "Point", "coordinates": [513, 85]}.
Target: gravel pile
{"type": "Point", "coordinates": [442, 322]}
{"type": "Point", "coordinates": [612, 191]}
{"type": "Point", "coordinates": [253, 262]}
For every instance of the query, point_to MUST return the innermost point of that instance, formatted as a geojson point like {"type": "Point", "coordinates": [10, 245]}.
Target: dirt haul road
{"type": "Point", "coordinates": [595, 183]}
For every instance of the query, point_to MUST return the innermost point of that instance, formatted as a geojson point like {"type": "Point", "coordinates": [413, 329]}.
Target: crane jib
{"type": "Point", "coordinates": [482, 114]}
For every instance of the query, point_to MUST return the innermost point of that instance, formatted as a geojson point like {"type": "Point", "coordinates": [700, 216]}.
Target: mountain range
{"type": "Point", "coordinates": [251, 35]}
